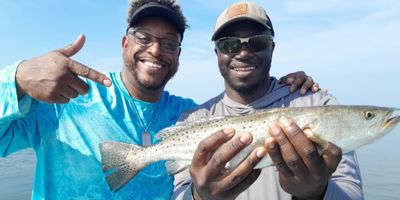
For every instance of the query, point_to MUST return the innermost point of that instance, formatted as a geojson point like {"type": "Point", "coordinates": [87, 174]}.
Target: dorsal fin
{"type": "Point", "coordinates": [167, 132]}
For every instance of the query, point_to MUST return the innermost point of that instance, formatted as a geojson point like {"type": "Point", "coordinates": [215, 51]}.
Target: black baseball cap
{"type": "Point", "coordinates": [159, 10]}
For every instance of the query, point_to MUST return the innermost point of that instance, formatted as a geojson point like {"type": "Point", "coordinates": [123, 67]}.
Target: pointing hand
{"type": "Point", "coordinates": [53, 77]}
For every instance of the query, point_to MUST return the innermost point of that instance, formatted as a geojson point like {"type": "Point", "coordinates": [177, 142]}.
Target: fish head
{"type": "Point", "coordinates": [369, 123]}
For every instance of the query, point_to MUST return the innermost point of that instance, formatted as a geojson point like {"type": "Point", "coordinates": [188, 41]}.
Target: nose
{"type": "Point", "coordinates": [154, 49]}
{"type": "Point", "coordinates": [244, 52]}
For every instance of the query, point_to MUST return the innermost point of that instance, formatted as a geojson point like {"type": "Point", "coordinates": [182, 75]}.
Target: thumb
{"type": "Point", "coordinates": [74, 47]}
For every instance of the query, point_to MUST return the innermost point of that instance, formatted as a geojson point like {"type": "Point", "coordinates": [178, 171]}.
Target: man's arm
{"type": "Point", "coordinates": [13, 129]}
{"type": "Point", "coordinates": [52, 78]}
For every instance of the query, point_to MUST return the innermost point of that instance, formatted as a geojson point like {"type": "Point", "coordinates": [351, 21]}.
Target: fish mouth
{"type": "Point", "coordinates": [391, 121]}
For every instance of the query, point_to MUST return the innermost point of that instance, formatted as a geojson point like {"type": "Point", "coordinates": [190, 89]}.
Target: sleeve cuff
{"type": "Point", "coordinates": [9, 104]}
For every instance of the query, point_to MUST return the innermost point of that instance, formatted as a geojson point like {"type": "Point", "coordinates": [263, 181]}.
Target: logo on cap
{"type": "Point", "coordinates": [235, 10]}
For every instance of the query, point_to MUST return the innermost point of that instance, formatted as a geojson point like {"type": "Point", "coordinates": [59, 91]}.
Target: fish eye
{"type": "Point", "coordinates": [369, 115]}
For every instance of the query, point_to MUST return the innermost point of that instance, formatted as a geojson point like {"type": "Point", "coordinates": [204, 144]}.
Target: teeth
{"type": "Point", "coordinates": [150, 64]}
{"type": "Point", "coordinates": [243, 69]}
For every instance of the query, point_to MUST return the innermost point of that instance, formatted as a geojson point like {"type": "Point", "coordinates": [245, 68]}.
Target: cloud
{"type": "Point", "coordinates": [312, 7]}
{"type": "Point", "coordinates": [356, 43]}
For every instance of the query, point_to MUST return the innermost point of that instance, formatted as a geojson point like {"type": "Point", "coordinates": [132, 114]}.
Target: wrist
{"type": "Point", "coordinates": [195, 194]}
{"type": "Point", "coordinates": [320, 196]}
{"type": "Point", "coordinates": [20, 91]}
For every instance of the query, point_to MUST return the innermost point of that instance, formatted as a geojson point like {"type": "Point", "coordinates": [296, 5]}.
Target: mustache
{"type": "Point", "coordinates": [236, 64]}
{"type": "Point", "coordinates": [153, 60]}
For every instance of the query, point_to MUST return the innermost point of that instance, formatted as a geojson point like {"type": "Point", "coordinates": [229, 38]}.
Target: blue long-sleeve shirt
{"type": "Point", "coordinates": [66, 138]}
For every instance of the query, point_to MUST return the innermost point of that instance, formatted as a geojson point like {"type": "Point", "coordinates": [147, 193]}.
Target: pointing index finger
{"type": "Point", "coordinates": [87, 72]}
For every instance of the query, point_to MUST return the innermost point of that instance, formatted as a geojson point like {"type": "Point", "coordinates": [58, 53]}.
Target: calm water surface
{"type": "Point", "coordinates": [379, 162]}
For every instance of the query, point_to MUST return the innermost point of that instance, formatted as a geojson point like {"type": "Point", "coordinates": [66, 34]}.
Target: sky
{"type": "Point", "coordinates": [348, 47]}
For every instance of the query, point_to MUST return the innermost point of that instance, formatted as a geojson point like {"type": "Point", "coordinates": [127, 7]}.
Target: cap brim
{"type": "Point", "coordinates": [237, 19]}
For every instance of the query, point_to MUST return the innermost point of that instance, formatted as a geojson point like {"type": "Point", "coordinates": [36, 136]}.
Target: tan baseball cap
{"type": "Point", "coordinates": [242, 11]}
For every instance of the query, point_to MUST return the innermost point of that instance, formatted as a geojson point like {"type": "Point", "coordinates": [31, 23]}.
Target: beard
{"type": "Point", "coordinates": [146, 84]}
{"type": "Point", "coordinates": [244, 89]}
{"type": "Point", "coordinates": [247, 88]}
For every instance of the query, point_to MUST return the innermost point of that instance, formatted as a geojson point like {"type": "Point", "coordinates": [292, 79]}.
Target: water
{"type": "Point", "coordinates": [16, 175]}
{"type": "Point", "coordinates": [379, 163]}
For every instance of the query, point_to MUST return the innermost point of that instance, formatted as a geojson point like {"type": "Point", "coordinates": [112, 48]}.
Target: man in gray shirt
{"type": "Point", "coordinates": [244, 46]}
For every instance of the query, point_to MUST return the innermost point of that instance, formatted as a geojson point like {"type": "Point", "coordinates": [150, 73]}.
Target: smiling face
{"type": "Point", "coordinates": [246, 73]}
{"type": "Point", "coordinates": [148, 68]}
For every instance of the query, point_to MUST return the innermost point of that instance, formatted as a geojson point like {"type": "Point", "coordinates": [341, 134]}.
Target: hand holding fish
{"type": "Point", "coordinates": [303, 172]}
{"type": "Point", "coordinates": [210, 178]}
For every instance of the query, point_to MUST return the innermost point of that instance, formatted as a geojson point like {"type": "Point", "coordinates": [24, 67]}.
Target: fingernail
{"type": "Point", "coordinates": [284, 121]}
{"type": "Point", "coordinates": [246, 138]}
{"type": "Point", "coordinates": [107, 82]}
{"type": "Point", "coordinates": [268, 141]}
{"type": "Point", "coordinates": [289, 80]}
{"type": "Point", "coordinates": [308, 132]}
{"type": "Point", "coordinates": [274, 130]}
{"type": "Point", "coordinates": [260, 152]}
{"type": "Point", "coordinates": [229, 131]}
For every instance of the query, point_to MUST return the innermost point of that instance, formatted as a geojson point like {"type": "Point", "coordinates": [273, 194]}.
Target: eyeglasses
{"type": "Point", "coordinates": [147, 40]}
{"type": "Point", "coordinates": [231, 45]}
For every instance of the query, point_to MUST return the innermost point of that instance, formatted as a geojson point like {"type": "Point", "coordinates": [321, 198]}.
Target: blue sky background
{"type": "Point", "coordinates": [350, 47]}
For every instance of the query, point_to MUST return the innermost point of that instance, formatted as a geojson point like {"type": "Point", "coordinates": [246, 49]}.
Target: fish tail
{"type": "Point", "coordinates": [115, 161]}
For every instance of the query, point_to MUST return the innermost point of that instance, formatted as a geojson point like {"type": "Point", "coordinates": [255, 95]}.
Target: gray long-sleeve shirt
{"type": "Point", "coordinates": [345, 182]}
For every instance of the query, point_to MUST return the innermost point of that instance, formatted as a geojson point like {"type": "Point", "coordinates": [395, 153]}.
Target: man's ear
{"type": "Point", "coordinates": [215, 51]}
{"type": "Point", "coordinates": [272, 48]}
{"type": "Point", "coordinates": [124, 42]}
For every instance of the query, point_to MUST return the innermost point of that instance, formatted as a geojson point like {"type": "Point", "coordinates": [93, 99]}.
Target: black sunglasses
{"type": "Point", "coordinates": [232, 45]}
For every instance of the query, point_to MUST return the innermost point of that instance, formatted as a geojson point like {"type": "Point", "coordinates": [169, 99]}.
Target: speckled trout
{"type": "Point", "coordinates": [348, 127]}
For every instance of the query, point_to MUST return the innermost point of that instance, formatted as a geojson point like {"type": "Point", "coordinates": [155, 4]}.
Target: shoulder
{"type": "Point", "coordinates": [313, 99]}
{"type": "Point", "coordinates": [177, 102]}
{"type": "Point", "coordinates": [207, 109]}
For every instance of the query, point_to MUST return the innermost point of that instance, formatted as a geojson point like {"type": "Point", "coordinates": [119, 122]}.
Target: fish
{"type": "Point", "coordinates": [347, 126]}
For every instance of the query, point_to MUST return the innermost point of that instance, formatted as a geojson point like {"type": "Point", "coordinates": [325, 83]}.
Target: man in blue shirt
{"type": "Point", "coordinates": [45, 105]}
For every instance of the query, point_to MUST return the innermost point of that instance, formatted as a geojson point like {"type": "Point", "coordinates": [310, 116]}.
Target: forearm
{"type": "Point", "coordinates": [344, 191]}
{"type": "Point", "coordinates": [12, 111]}
{"type": "Point", "coordinates": [345, 183]}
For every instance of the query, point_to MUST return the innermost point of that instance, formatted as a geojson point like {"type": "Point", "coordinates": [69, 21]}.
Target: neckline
{"type": "Point", "coordinates": [120, 85]}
